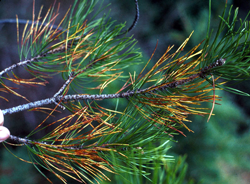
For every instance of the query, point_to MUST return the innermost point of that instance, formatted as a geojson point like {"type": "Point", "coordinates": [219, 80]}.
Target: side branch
{"type": "Point", "coordinates": [33, 59]}
{"type": "Point", "coordinates": [21, 63]}
{"type": "Point", "coordinates": [135, 20]}
{"type": "Point", "coordinates": [26, 62]}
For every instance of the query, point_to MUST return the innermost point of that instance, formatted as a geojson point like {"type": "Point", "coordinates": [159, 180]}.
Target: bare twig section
{"type": "Point", "coordinates": [26, 62]}
{"type": "Point", "coordinates": [21, 63]}
{"type": "Point", "coordinates": [34, 59]}
{"type": "Point", "coordinates": [64, 98]}
{"type": "Point", "coordinates": [137, 15]}
{"type": "Point", "coordinates": [66, 83]}
{"type": "Point", "coordinates": [26, 141]}
{"type": "Point", "coordinates": [71, 76]}
{"type": "Point", "coordinates": [20, 140]}
{"type": "Point", "coordinates": [27, 106]}
{"type": "Point", "coordinates": [59, 49]}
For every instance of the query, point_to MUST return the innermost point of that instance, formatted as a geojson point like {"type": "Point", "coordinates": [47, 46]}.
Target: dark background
{"type": "Point", "coordinates": [218, 151]}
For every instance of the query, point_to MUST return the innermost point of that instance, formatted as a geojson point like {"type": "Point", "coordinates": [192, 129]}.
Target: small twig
{"type": "Point", "coordinates": [52, 51]}
{"type": "Point", "coordinates": [137, 15]}
{"type": "Point", "coordinates": [34, 59]}
{"type": "Point", "coordinates": [21, 63]}
{"type": "Point", "coordinates": [26, 141]}
{"type": "Point", "coordinates": [70, 78]}
{"type": "Point", "coordinates": [20, 140]}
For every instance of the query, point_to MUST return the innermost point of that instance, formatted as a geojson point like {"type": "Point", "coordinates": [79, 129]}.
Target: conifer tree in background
{"type": "Point", "coordinates": [112, 120]}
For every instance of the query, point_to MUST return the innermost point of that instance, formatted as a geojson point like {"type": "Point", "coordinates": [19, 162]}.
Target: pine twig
{"type": "Point", "coordinates": [27, 141]}
{"type": "Point", "coordinates": [21, 63]}
{"type": "Point", "coordinates": [137, 15]}
{"type": "Point", "coordinates": [36, 58]}
{"type": "Point", "coordinates": [70, 78]}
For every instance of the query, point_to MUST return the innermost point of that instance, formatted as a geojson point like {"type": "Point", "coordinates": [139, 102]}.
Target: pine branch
{"type": "Point", "coordinates": [92, 55]}
{"type": "Point", "coordinates": [57, 98]}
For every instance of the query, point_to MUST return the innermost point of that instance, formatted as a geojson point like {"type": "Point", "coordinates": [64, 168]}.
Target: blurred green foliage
{"type": "Point", "coordinates": [173, 172]}
{"type": "Point", "coordinates": [13, 170]}
{"type": "Point", "coordinates": [218, 151]}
